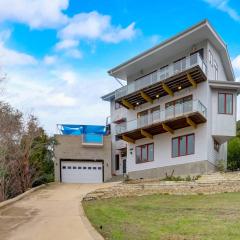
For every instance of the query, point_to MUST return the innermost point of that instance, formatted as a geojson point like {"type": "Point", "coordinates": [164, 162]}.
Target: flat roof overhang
{"type": "Point", "coordinates": [169, 48]}
{"type": "Point", "coordinates": [225, 85]}
{"type": "Point", "coordinates": [173, 83]}
{"type": "Point", "coordinates": [157, 128]}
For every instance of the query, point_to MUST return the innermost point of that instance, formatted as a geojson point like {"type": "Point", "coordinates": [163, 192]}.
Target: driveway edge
{"type": "Point", "coordinates": [92, 231]}
{"type": "Point", "coordinates": [13, 200]}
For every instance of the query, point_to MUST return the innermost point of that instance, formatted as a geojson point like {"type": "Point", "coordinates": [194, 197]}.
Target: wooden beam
{"type": "Point", "coordinates": [146, 97]}
{"type": "Point", "coordinates": [194, 84]}
{"type": "Point", "coordinates": [191, 122]}
{"type": "Point", "coordinates": [146, 134]}
{"type": "Point", "coordinates": [127, 104]}
{"type": "Point", "coordinates": [128, 139]}
{"type": "Point", "coordinates": [167, 128]}
{"type": "Point", "coordinates": [167, 89]}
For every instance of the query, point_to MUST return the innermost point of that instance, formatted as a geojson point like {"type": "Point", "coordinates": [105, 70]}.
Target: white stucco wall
{"type": "Point", "coordinates": [163, 152]}
{"type": "Point", "coordinates": [217, 58]}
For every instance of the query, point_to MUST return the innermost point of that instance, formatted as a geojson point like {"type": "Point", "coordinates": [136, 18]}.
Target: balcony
{"type": "Point", "coordinates": [184, 73]}
{"type": "Point", "coordinates": [182, 115]}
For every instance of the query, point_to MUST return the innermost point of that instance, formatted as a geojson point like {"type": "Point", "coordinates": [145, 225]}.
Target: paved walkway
{"type": "Point", "coordinates": [53, 212]}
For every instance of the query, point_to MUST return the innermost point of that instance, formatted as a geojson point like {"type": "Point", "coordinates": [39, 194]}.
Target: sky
{"type": "Point", "coordinates": [56, 54]}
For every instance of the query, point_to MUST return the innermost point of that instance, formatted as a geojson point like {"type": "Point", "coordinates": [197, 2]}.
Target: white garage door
{"type": "Point", "coordinates": [81, 172]}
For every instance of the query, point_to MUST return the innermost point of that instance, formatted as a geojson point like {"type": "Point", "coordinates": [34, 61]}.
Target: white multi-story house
{"type": "Point", "coordinates": [178, 108]}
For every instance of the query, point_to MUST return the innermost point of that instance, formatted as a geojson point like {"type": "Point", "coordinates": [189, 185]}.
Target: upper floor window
{"type": "Point", "coordinates": [142, 118]}
{"type": "Point", "coordinates": [225, 103]}
{"type": "Point", "coordinates": [215, 66]}
{"type": "Point", "coordinates": [179, 65]}
{"type": "Point", "coordinates": [155, 114]}
{"type": "Point", "coordinates": [183, 145]}
{"type": "Point", "coordinates": [117, 105]}
{"type": "Point", "coordinates": [178, 106]}
{"type": "Point", "coordinates": [145, 153]}
{"type": "Point", "coordinates": [194, 56]}
{"type": "Point", "coordinates": [163, 72]}
{"type": "Point", "coordinates": [210, 58]}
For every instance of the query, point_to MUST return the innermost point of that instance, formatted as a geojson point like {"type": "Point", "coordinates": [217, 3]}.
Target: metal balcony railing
{"type": "Point", "coordinates": [162, 74]}
{"type": "Point", "coordinates": [170, 113]}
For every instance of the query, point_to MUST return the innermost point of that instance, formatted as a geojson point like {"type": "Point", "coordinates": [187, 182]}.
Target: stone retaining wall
{"type": "Point", "coordinates": [165, 187]}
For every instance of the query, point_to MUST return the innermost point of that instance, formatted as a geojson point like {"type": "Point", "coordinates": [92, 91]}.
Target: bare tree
{"type": "Point", "coordinates": [16, 146]}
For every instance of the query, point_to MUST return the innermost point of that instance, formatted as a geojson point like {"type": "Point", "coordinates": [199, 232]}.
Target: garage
{"type": "Point", "coordinates": [81, 171]}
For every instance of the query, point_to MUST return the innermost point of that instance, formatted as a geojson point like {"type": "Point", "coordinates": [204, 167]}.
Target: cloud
{"type": "Point", "coordinates": [69, 77]}
{"type": "Point", "coordinates": [95, 26]}
{"type": "Point", "coordinates": [74, 53]}
{"type": "Point", "coordinates": [50, 60]}
{"type": "Point", "coordinates": [35, 13]}
{"type": "Point", "coordinates": [56, 94]}
{"type": "Point", "coordinates": [60, 100]}
{"type": "Point", "coordinates": [154, 39]}
{"type": "Point", "coordinates": [65, 44]}
{"type": "Point", "coordinates": [236, 63]}
{"type": "Point", "coordinates": [9, 57]}
{"type": "Point", "coordinates": [223, 5]}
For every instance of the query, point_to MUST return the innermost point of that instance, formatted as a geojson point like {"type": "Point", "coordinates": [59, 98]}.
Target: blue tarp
{"type": "Point", "coordinates": [70, 129]}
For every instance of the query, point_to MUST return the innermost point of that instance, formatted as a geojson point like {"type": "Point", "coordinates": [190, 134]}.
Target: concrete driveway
{"type": "Point", "coordinates": [53, 212]}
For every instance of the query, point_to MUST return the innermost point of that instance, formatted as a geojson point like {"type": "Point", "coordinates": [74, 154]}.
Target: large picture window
{"type": "Point", "coordinates": [183, 145]}
{"type": "Point", "coordinates": [144, 153]}
{"type": "Point", "coordinates": [225, 103]}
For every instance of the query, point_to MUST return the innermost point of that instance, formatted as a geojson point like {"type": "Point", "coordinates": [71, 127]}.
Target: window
{"type": "Point", "coordinates": [89, 168]}
{"type": "Point", "coordinates": [179, 65]}
{"type": "Point", "coordinates": [163, 72]}
{"type": "Point", "coordinates": [210, 58]}
{"type": "Point", "coordinates": [183, 145]}
{"type": "Point", "coordinates": [99, 168]}
{"type": "Point", "coordinates": [155, 114]}
{"type": "Point", "coordinates": [117, 105]}
{"type": "Point", "coordinates": [79, 167]}
{"type": "Point", "coordinates": [64, 167]}
{"type": "Point", "coordinates": [94, 168]}
{"type": "Point", "coordinates": [142, 118]}
{"type": "Point", "coordinates": [69, 167]}
{"type": "Point", "coordinates": [145, 153]}
{"type": "Point", "coordinates": [84, 167]}
{"type": "Point", "coordinates": [194, 58]}
{"type": "Point", "coordinates": [215, 66]}
{"type": "Point", "coordinates": [116, 162]}
{"type": "Point", "coordinates": [74, 167]}
{"type": "Point", "coordinates": [178, 106]}
{"type": "Point", "coordinates": [225, 103]}
{"type": "Point", "coordinates": [216, 145]}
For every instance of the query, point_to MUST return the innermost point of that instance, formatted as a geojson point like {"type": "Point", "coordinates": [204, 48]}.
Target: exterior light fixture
{"type": "Point", "coordinates": [179, 87]}
{"type": "Point", "coordinates": [137, 103]}
{"type": "Point", "coordinates": [157, 96]}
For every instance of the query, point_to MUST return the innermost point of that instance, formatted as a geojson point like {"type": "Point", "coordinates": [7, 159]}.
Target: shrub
{"type": "Point", "coordinates": [221, 165]}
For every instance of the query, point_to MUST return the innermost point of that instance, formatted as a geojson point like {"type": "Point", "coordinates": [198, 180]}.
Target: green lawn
{"type": "Point", "coordinates": [167, 217]}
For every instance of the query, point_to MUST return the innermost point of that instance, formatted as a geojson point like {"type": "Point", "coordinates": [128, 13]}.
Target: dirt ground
{"type": "Point", "coordinates": [53, 212]}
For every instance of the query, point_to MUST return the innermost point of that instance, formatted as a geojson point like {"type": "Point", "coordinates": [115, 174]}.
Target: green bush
{"type": "Point", "coordinates": [221, 165]}
{"type": "Point", "coordinates": [45, 178]}
{"type": "Point", "coordinates": [233, 162]}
